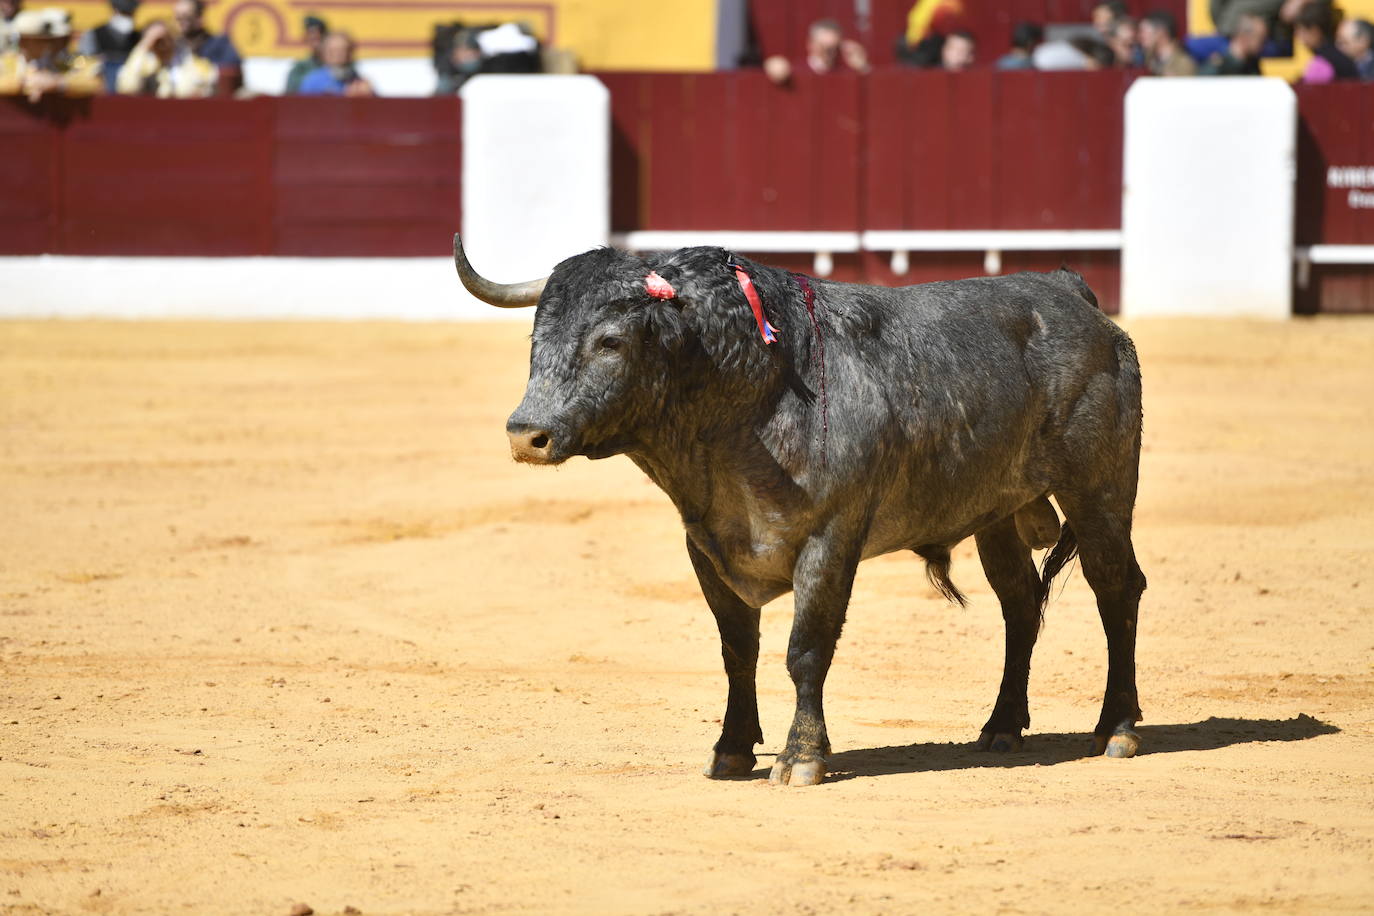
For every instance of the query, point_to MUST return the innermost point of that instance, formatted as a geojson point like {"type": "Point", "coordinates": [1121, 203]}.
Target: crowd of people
{"type": "Point", "coordinates": [183, 59]}
{"type": "Point", "coordinates": [177, 59]}
{"type": "Point", "coordinates": [1248, 30]}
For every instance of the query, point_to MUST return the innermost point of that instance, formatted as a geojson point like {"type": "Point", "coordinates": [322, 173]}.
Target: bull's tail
{"type": "Point", "coordinates": [1059, 556]}
{"type": "Point", "coordinates": [937, 572]}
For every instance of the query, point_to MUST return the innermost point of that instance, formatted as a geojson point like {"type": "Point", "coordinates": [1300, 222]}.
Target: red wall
{"type": "Point", "coordinates": [733, 151]}
{"type": "Point", "coordinates": [988, 150]}
{"type": "Point", "coordinates": [1336, 128]}
{"type": "Point", "coordinates": [30, 180]}
{"type": "Point", "coordinates": [897, 149]}
{"type": "Point", "coordinates": [290, 176]}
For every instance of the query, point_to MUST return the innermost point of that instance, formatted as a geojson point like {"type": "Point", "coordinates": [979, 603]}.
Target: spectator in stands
{"type": "Point", "coordinates": [42, 64]}
{"type": "Point", "coordinates": [1355, 38]}
{"type": "Point", "coordinates": [160, 67]}
{"type": "Point", "coordinates": [9, 36]}
{"type": "Point", "coordinates": [927, 24]}
{"type": "Point", "coordinates": [1096, 54]}
{"type": "Point", "coordinates": [464, 62]}
{"type": "Point", "coordinates": [217, 49]}
{"type": "Point", "coordinates": [1278, 16]}
{"type": "Point", "coordinates": [336, 75]}
{"type": "Point", "coordinates": [112, 41]}
{"type": "Point", "coordinates": [315, 30]}
{"type": "Point", "coordinates": [1164, 53]}
{"type": "Point", "coordinates": [1025, 36]}
{"type": "Point", "coordinates": [827, 51]}
{"type": "Point", "coordinates": [959, 52]}
{"type": "Point", "coordinates": [1106, 15]}
{"type": "Point", "coordinates": [1226, 13]}
{"type": "Point", "coordinates": [1125, 43]}
{"type": "Point", "coordinates": [924, 53]}
{"type": "Point", "coordinates": [1241, 55]}
{"type": "Point", "coordinates": [1315, 28]}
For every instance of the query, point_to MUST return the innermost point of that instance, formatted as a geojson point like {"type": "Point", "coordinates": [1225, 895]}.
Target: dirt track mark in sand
{"type": "Point", "coordinates": [525, 512]}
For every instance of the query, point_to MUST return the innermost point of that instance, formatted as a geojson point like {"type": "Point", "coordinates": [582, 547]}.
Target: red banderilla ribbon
{"type": "Point", "coordinates": [746, 285]}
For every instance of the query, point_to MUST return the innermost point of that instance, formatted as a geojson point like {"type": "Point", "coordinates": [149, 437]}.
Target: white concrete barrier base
{"type": "Point", "coordinates": [398, 289]}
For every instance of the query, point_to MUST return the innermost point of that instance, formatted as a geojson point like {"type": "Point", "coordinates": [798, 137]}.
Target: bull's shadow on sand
{"type": "Point", "coordinates": [1048, 749]}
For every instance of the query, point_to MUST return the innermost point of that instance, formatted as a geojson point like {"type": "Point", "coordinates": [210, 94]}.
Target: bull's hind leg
{"type": "Point", "coordinates": [1103, 529]}
{"type": "Point", "coordinates": [738, 623]}
{"type": "Point", "coordinates": [1011, 573]}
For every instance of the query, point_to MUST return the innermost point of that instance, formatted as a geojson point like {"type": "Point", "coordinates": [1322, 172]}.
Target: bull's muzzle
{"type": "Point", "coordinates": [530, 444]}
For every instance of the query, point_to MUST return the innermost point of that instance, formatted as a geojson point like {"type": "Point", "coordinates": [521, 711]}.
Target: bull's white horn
{"type": "Point", "coordinates": [501, 295]}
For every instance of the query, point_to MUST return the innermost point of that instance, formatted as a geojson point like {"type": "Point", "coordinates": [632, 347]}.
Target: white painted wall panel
{"type": "Point", "coordinates": [400, 289]}
{"type": "Point", "coordinates": [1207, 208]}
{"type": "Point", "coordinates": [536, 172]}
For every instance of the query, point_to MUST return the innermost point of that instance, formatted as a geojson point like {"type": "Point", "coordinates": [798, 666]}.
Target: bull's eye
{"type": "Point", "coordinates": [609, 342]}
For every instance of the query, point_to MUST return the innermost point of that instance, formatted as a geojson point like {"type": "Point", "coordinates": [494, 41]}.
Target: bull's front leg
{"type": "Point", "coordinates": [822, 581]}
{"type": "Point", "coordinates": [738, 623]}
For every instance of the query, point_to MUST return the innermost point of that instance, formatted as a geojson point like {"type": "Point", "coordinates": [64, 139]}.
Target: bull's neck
{"type": "Point", "coordinates": [703, 454]}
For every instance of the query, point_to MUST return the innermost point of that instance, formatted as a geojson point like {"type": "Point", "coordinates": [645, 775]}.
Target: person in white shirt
{"type": "Point", "coordinates": [158, 67]}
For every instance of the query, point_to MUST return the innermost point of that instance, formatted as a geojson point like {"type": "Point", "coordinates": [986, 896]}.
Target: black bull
{"type": "Point", "coordinates": [880, 420]}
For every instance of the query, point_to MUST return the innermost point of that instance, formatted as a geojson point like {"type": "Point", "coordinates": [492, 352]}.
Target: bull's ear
{"type": "Point", "coordinates": [666, 326]}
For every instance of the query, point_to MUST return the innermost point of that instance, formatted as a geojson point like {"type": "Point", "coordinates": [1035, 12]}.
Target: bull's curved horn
{"type": "Point", "coordinates": [501, 295]}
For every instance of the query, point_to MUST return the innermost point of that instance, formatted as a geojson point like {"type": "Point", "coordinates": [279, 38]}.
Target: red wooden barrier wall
{"type": "Point", "coordinates": [289, 176]}
{"type": "Point", "coordinates": [141, 177]}
{"type": "Point", "coordinates": [1336, 129]}
{"type": "Point", "coordinates": [733, 151]}
{"type": "Point", "coordinates": [377, 178]}
{"type": "Point", "coordinates": [898, 149]}
{"type": "Point", "coordinates": [30, 180]}
{"type": "Point", "coordinates": [987, 150]}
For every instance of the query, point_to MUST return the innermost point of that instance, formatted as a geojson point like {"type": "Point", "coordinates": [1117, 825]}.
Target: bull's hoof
{"type": "Point", "coordinates": [801, 773]}
{"type": "Point", "coordinates": [727, 766]}
{"type": "Point", "coordinates": [1001, 742]}
{"type": "Point", "coordinates": [1124, 742]}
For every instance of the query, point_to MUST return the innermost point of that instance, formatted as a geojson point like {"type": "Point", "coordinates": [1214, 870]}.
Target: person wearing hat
{"type": "Point", "coordinates": [42, 64]}
{"type": "Point", "coordinates": [161, 67]}
{"type": "Point", "coordinates": [113, 40]}
{"type": "Point", "coordinates": [315, 30]}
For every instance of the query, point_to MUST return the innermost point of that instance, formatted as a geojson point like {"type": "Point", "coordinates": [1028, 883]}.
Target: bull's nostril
{"type": "Point", "coordinates": [539, 441]}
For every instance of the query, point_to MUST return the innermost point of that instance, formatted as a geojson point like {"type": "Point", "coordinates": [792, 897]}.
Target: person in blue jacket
{"type": "Point", "coordinates": [336, 75]}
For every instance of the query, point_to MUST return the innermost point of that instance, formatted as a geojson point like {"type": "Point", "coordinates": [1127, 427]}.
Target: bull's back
{"type": "Point", "coordinates": [986, 401]}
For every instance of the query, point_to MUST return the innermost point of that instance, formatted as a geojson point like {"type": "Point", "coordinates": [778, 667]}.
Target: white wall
{"type": "Point", "coordinates": [536, 172]}
{"type": "Point", "coordinates": [1207, 207]}
{"type": "Point", "coordinates": [404, 289]}
{"type": "Point", "coordinates": [400, 76]}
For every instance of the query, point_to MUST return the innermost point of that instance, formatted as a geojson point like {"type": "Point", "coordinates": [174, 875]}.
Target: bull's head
{"type": "Point", "coordinates": [608, 342]}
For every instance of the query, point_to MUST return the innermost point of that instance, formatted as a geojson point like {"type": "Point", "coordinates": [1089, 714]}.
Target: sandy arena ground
{"type": "Point", "coordinates": [281, 622]}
